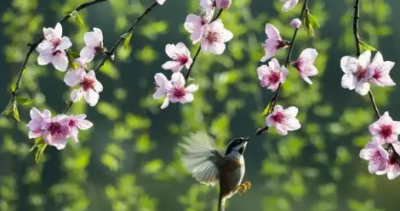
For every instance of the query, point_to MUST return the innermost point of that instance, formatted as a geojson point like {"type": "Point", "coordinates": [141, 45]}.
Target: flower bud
{"type": "Point", "coordinates": [224, 4]}
{"type": "Point", "coordinates": [295, 23]}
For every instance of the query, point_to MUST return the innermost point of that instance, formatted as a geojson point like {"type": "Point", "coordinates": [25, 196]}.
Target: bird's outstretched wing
{"type": "Point", "coordinates": [200, 157]}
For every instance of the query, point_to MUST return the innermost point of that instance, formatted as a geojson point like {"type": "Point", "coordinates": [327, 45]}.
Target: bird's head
{"type": "Point", "coordinates": [237, 145]}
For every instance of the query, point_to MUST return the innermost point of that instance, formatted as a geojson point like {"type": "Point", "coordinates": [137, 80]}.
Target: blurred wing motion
{"type": "Point", "coordinates": [200, 158]}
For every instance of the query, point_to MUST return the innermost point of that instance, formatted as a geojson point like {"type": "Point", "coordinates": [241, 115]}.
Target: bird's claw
{"type": "Point", "coordinates": [243, 187]}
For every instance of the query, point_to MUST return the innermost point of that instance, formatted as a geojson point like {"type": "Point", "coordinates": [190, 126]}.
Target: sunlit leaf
{"type": "Point", "coordinates": [78, 19]}
{"type": "Point", "coordinates": [367, 47]}
{"type": "Point", "coordinates": [24, 101]}
{"type": "Point", "coordinates": [8, 109]}
{"type": "Point", "coordinates": [267, 109]}
{"type": "Point", "coordinates": [127, 37]}
{"type": "Point", "coordinates": [15, 112]}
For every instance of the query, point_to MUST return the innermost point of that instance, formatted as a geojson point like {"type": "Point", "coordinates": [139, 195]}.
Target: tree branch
{"type": "Point", "coordinates": [111, 52]}
{"type": "Point", "coordinates": [275, 97]}
{"type": "Point", "coordinates": [32, 47]}
{"type": "Point", "coordinates": [198, 50]}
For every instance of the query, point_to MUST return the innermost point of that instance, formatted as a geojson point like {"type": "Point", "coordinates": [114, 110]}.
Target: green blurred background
{"type": "Point", "coordinates": [128, 160]}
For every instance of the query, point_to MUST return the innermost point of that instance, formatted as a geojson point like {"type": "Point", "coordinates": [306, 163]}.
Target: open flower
{"type": "Point", "coordinates": [273, 42]}
{"type": "Point", "coordinates": [214, 38]}
{"type": "Point", "coordinates": [377, 156]}
{"type": "Point", "coordinates": [305, 64]}
{"type": "Point", "coordinates": [180, 56]}
{"type": "Point", "coordinates": [94, 44]}
{"type": "Point", "coordinates": [36, 122]}
{"type": "Point", "coordinates": [355, 72]}
{"type": "Point", "coordinates": [283, 120]}
{"type": "Point", "coordinates": [89, 88]}
{"type": "Point", "coordinates": [52, 48]}
{"type": "Point", "coordinates": [378, 71]}
{"type": "Point", "coordinates": [288, 4]}
{"type": "Point", "coordinates": [174, 90]}
{"type": "Point", "coordinates": [56, 131]}
{"type": "Point", "coordinates": [271, 76]}
{"type": "Point", "coordinates": [385, 130]}
{"type": "Point", "coordinates": [76, 123]}
{"type": "Point", "coordinates": [195, 25]}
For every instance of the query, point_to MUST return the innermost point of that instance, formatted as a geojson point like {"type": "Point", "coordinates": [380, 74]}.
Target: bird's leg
{"type": "Point", "coordinates": [243, 187]}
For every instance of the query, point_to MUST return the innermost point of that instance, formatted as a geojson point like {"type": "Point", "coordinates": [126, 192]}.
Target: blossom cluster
{"type": "Point", "coordinates": [273, 75]}
{"type": "Point", "coordinates": [212, 36]}
{"type": "Point", "coordinates": [54, 49]}
{"type": "Point", "coordinates": [384, 149]}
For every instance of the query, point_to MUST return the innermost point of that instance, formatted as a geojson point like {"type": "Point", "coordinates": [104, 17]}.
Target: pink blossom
{"type": "Point", "coordinates": [208, 5]}
{"type": "Point", "coordinates": [89, 88]}
{"type": "Point", "coordinates": [52, 48]}
{"type": "Point", "coordinates": [305, 64]}
{"type": "Point", "coordinates": [271, 76]}
{"type": "Point", "coordinates": [377, 156]}
{"type": "Point", "coordinates": [180, 56]}
{"type": "Point", "coordinates": [385, 130]}
{"type": "Point", "coordinates": [295, 23]}
{"type": "Point", "coordinates": [76, 123]}
{"type": "Point", "coordinates": [392, 169]}
{"type": "Point", "coordinates": [94, 44]}
{"type": "Point", "coordinates": [214, 38]}
{"type": "Point", "coordinates": [288, 4]}
{"type": "Point", "coordinates": [283, 120]}
{"type": "Point", "coordinates": [195, 25]}
{"type": "Point", "coordinates": [36, 122]}
{"type": "Point", "coordinates": [273, 42]}
{"type": "Point", "coordinates": [56, 131]}
{"type": "Point", "coordinates": [224, 4]}
{"type": "Point", "coordinates": [160, 2]}
{"type": "Point", "coordinates": [174, 90]}
{"type": "Point", "coordinates": [355, 72]}
{"type": "Point", "coordinates": [378, 71]}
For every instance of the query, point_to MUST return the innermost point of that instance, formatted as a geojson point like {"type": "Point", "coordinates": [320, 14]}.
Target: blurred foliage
{"type": "Point", "coordinates": [128, 160]}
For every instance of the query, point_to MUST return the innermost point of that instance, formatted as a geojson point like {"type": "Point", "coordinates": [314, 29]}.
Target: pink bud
{"type": "Point", "coordinates": [295, 23]}
{"type": "Point", "coordinates": [224, 4]}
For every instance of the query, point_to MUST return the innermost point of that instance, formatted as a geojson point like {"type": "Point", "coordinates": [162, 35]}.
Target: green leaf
{"type": "Point", "coordinates": [313, 21]}
{"type": "Point", "coordinates": [78, 19]}
{"type": "Point", "coordinates": [74, 54]}
{"type": "Point", "coordinates": [15, 112]}
{"type": "Point", "coordinates": [13, 87]}
{"type": "Point", "coordinates": [71, 60]}
{"type": "Point", "coordinates": [267, 109]}
{"type": "Point", "coordinates": [38, 141]}
{"type": "Point", "coordinates": [40, 152]}
{"type": "Point", "coordinates": [127, 37]}
{"type": "Point", "coordinates": [308, 24]}
{"type": "Point", "coordinates": [367, 47]}
{"type": "Point", "coordinates": [8, 109]}
{"type": "Point", "coordinates": [24, 101]}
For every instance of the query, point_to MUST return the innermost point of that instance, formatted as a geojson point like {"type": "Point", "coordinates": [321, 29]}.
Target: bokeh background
{"type": "Point", "coordinates": [128, 160]}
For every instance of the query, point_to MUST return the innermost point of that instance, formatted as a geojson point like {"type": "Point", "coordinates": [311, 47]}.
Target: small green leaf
{"type": "Point", "coordinates": [78, 18]}
{"type": "Point", "coordinates": [74, 54]}
{"type": "Point", "coordinates": [40, 152]}
{"type": "Point", "coordinates": [15, 112]}
{"type": "Point", "coordinates": [38, 141]}
{"type": "Point", "coordinates": [127, 37]}
{"type": "Point", "coordinates": [71, 60]}
{"type": "Point", "coordinates": [308, 24]}
{"type": "Point", "coordinates": [267, 109]}
{"type": "Point", "coordinates": [13, 87]}
{"type": "Point", "coordinates": [8, 109]}
{"type": "Point", "coordinates": [24, 101]}
{"type": "Point", "coordinates": [313, 21]}
{"type": "Point", "coordinates": [367, 47]}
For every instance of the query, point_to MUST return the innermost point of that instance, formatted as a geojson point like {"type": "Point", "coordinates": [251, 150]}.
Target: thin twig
{"type": "Point", "coordinates": [32, 47]}
{"type": "Point", "coordinates": [111, 52]}
{"type": "Point", "coordinates": [198, 49]}
{"type": "Point", "coordinates": [275, 97]}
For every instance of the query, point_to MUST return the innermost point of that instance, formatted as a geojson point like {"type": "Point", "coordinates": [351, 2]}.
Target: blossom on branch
{"type": "Point", "coordinates": [283, 120]}
{"type": "Point", "coordinates": [271, 76]}
{"type": "Point", "coordinates": [377, 156]}
{"type": "Point", "coordinates": [214, 37]}
{"type": "Point", "coordinates": [295, 23]}
{"type": "Point", "coordinates": [289, 4]}
{"type": "Point", "coordinates": [180, 55]}
{"type": "Point", "coordinates": [94, 44]}
{"type": "Point", "coordinates": [378, 71]}
{"type": "Point", "coordinates": [355, 72]}
{"type": "Point", "coordinates": [174, 90]}
{"type": "Point", "coordinates": [211, 4]}
{"type": "Point", "coordinates": [52, 48]}
{"type": "Point", "coordinates": [385, 130]}
{"type": "Point", "coordinates": [305, 64]}
{"type": "Point", "coordinates": [273, 42]}
{"type": "Point", "coordinates": [195, 25]}
{"type": "Point", "coordinates": [56, 130]}
{"type": "Point", "coordinates": [89, 88]}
